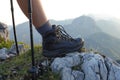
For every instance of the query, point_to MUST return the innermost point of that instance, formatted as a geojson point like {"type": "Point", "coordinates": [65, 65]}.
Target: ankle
{"type": "Point", "coordinates": [44, 28]}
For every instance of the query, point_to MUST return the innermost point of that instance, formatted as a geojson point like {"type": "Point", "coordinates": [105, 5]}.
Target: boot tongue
{"type": "Point", "coordinates": [55, 28]}
{"type": "Point", "coordinates": [61, 33]}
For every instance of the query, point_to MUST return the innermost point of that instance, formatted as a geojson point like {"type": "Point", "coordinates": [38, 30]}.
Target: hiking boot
{"type": "Point", "coordinates": [57, 43]}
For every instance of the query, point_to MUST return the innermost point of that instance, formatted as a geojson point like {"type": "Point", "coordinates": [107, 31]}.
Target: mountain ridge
{"type": "Point", "coordinates": [83, 26]}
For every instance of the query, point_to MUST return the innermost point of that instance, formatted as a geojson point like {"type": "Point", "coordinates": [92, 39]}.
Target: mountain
{"type": "Point", "coordinates": [23, 33]}
{"type": "Point", "coordinates": [105, 44]}
{"type": "Point", "coordinates": [83, 26]}
{"type": "Point", "coordinates": [110, 26]}
{"type": "Point", "coordinates": [63, 22]}
{"type": "Point", "coordinates": [95, 38]}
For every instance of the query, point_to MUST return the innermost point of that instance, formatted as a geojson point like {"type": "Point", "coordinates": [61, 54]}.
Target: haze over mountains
{"type": "Point", "coordinates": [100, 35]}
{"type": "Point", "coordinates": [110, 27]}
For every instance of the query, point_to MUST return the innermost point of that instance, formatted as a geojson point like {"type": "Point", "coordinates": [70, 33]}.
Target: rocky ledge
{"type": "Point", "coordinates": [86, 66]}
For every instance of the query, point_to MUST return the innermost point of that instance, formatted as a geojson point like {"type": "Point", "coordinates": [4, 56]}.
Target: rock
{"type": "Point", "coordinates": [13, 49]}
{"type": "Point", "coordinates": [12, 55]}
{"type": "Point", "coordinates": [4, 33]}
{"type": "Point", "coordinates": [1, 77]}
{"type": "Point", "coordinates": [91, 67]}
{"type": "Point", "coordinates": [4, 54]}
{"type": "Point", "coordinates": [69, 74]}
{"type": "Point", "coordinates": [4, 50]}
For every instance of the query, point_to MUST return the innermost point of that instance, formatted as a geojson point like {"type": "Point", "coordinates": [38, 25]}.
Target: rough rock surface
{"type": "Point", "coordinates": [3, 53]}
{"type": "Point", "coordinates": [86, 66]}
{"type": "Point", "coordinates": [13, 49]}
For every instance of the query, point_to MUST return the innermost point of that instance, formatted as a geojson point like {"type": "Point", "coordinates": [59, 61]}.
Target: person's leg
{"type": "Point", "coordinates": [39, 18]}
{"type": "Point", "coordinates": [56, 42]}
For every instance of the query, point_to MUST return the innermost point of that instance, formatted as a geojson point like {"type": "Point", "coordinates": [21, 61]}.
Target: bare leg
{"type": "Point", "coordinates": [39, 17]}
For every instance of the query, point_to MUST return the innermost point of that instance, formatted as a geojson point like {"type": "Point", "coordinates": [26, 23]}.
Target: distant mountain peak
{"type": "Point", "coordinates": [83, 20]}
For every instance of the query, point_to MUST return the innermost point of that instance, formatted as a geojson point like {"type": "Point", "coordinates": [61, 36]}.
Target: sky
{"type": "Point", "coordinates": [63, 9]}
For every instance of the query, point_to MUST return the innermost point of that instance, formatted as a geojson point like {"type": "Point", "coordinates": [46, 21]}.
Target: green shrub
{"type": "Point", "coordinates": [4, 43]}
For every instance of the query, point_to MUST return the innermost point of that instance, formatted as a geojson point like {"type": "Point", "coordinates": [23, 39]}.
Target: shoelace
{"type": "Point", "coordinates": [62, 34]}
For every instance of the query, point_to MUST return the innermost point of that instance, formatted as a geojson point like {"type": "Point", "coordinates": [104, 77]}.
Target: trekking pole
{"type": "Point", "coordinates": [33, 69]}
{"type": "Point", "coordinates": [14, 30]}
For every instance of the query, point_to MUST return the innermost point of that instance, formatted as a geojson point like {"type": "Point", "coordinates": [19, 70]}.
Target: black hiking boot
{"type": "Point", "coordinates": [57, 43]}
